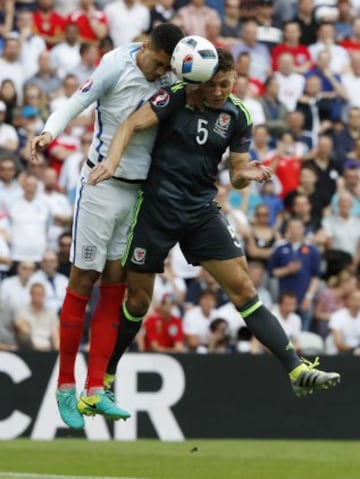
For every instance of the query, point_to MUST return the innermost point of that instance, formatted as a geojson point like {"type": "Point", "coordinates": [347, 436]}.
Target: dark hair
{"type": "Point", "coordinates": [286, 294]}
{"type": "Point", "coordinates": [226, 60]}
{"type": "Point", "coordinates": [165, 37]}
{"type": "Point", "coordinates": [215, 323]}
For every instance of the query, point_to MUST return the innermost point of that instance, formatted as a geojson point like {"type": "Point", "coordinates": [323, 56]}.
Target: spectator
{"type": "Point", "coordinates": [270, 198]}
{"type": "Point", "coordinates": [71, 167]}
{"type": "Point", "coordinates": [269, 30]}
{"type": "Point", "coordinates": [8, 137]}
{"type": "Point", "coordinates": [296, 264]}
{"type": "Point", "coordinates": [275, 111]}
{"type": "Point", "coordinates": [242, 89]}
{"type": "Point", "coordinates": [10, 189]}
{"type": "Point", "coordinates": [291, 45]}
{"type": "Point", "coordinates": [261, 237]}
{"type": "Point", "coordinates": [163, 331]}
{"type": "Point", "coordinates": [287, 317]}
{"type": "Point", "coordinates": [307, 187]}
{"type": "Point", "coordinates": [291, 84]}
{"type": "Point", "coordinates": [65, 56]}
{"type": "Point", "coordinates": [296, 123]}
{"type": "Point", "coordinates": [331, 299]}
{"type": "Point", "coordinates": [286, 163]}
{"type": "Point", "coordinates": [29, 124]}
{"type": "Point", "coordinates": [350, 182]}
{"type": "Point", "coordinates": [212, 32]}
{"type": "Point", "coordinates": [326, 168]}
{"type": "Point", "coordinates": [6, 19]}
{"type": "Point", "coordinates": [48, 23]}
{"type": "Point", "coordinates": [331, 88]}
{"type": "Point", "coordinates": [11, 67]}
{"type": "Point", "coordinates": [351, 80]}
{"type": "Point", "coordinates": [169, 283]}
{"type": "Point", "coordinates": [343, 230]}
{"type": "Point", "coordinates": [162, 12]}
{"type": "Point", "coordinates": [9, 96]}
{"type": "Point", "coordinates": [29, 218]}
{"type": "Point", "coordinates": [35, 97]}
{"type": "Point", "coordinates": [204, 283]}
{"type": "Point", "coordinates": [352, 43]}
{"type": "Point", "coordinates": [243, 62]}
{"type": "Point", "coordinates": [345, 325]}
{"type": "Point", "coordinates": [339, 57]}
{"type": "Point", "coordinates": [127, 19]}
{"type": "Point", "coordinates": [260, 148]}
{"type": "Point", "coordinates": [219, 338]}
{"type": "Point", "coordinates": [31, 44]}
{"type": "Point", "coordinates": [196, 322]}
{"type": "Point", "coordinates": [55, 284]}
{"type": "Point", "coordinates": [305, 18]}
{"type": "Point", "coordinates": [258, 275]}
{"type": "Point", "coordinates": [8, 340]}
{"type": "Point", "coordinates": [37, 326]}
{"type": "Point", "coordinates": [5, 257]}
{"type": "Point", "coordinates": [302, 208]}
{"type": "Point", "coordinates": [88, 62]}
{"type": "Point", "coordinates": [59, 206]}
{"type": "Point", "coordinates": [194, 16]}
{"type": "Point", "coordinates": [105, 46]}
{"type": "Point", "coordinates": [15, 290]}
{"type": "Point", "coordinates": [231, 25]}
{"type": "Point", "coordinates": [45, 77]}
{"type": "Point", "coordinates": [91, 22]}
{"type": "Point", "coordinates": [63, 253]}
{"type": "Point", "coordinates": [259, 53]}
{"type": "Point", "coordinates": [343, 24]}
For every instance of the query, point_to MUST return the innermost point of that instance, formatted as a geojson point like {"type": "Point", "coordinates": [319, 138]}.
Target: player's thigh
{"type": "Point", "coordinates": [233, 277]}
{"type": "Point", "coordinates": [95, 217]}
{"type": "Point", "coordinates": [210, 237]}
{"type": "Point", "coordinates": [149, 240]}
{"type": "Point", "coordinates": [127, 198]}
{"type": "Point", "coordinates": [113, 272]}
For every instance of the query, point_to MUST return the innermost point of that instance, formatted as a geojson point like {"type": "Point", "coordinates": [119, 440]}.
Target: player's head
{"type": "Point", "coordinates": [219, 87]}
{"type": "Point", "coordinates": [154, 57]}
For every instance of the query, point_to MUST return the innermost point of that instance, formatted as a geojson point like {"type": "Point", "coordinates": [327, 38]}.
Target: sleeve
{"type": "Point", "coordinates": [105, 76]}
{"type": "Point", "coordinates": [166, 101]}
{"type": "Point", "coordinates": [242, 134]}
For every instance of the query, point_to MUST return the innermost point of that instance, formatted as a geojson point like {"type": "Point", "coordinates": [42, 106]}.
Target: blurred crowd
{"type": "Point", "coordinates": [298, 72]}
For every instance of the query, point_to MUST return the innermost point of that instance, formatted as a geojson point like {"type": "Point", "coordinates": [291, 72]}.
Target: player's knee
{"type": "Point", "coordinates": [138, 302]}
{"type": "Point", "coordinates": [82, 281]}
{"type": "Point", "coordinates": [243, 292]}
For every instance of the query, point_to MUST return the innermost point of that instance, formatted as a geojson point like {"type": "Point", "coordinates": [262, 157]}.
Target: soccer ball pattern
{"type": "Point", "coordinates": [194, 59]}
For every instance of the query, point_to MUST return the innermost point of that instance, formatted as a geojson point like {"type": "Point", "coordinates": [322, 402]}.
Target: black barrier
{"type": "Point", "coordinates": [224, 396]}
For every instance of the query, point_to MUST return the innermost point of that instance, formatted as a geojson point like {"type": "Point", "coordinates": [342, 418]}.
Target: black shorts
{"type": "Point", "coordinates": [204, 234]}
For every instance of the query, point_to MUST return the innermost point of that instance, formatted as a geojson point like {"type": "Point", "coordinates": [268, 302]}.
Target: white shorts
{"type": "Point", "coordinates": [102, 217]}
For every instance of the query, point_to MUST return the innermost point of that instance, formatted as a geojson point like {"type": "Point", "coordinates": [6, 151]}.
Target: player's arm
{"type": "Point", "coordinates": [243, 171]}
{"type": "Point", "coordinates": [103, 78]}
{"type": "Point", "coordinates": [140, 120]}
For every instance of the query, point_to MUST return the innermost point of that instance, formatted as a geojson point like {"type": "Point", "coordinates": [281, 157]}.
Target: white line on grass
{"type": "Point", "coordinates": [26, 475]}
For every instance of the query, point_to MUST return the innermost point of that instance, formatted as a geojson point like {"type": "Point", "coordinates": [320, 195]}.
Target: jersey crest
{"type": "Point", "coordinates": [85, 87]}
{"type": "Point", "coordinates": [222, 124]}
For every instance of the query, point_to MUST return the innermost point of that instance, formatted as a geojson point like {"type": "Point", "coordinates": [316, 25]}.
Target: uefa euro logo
{"type": "Point", "coordinates": [187, 64]}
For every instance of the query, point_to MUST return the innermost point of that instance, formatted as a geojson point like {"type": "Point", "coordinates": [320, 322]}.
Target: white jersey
{"type": "Point", "coordinates": [119, 88]}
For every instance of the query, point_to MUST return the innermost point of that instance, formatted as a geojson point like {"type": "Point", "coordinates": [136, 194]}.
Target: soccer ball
{"type": "Point", "coordinates": [194, 59]}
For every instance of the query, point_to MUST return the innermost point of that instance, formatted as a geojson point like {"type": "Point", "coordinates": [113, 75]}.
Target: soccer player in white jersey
{"type": "Point", "coordinates": [125, 78]}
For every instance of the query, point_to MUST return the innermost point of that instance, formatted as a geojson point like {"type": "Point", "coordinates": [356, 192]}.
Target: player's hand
{"type": "Point", "coordinates": [101, 172]}
{"type": "Point", "coordinates": [39, 143]}
{"type": "Point", "coordinates": [256, 171]}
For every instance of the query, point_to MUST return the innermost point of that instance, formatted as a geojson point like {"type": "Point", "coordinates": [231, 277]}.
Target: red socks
{"type": "Point", "coordinates": [72, 320]}
{"type": "Point", "coordinates": [103, 332]}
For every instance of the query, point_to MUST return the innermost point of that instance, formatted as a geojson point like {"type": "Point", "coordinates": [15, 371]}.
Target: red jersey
{"type": "Point", "coordinates": [350, 45]}
{"type": "Point", "coordinates": [166, 332]}
{"type": "Point", "coordinates": [81, 19]}
{"type": "Point", "coordinates": [288, 172]}
{"type": "Point", "coordinates": [300, 53]}
{"type": "Point", "coordinates": [50, 25]}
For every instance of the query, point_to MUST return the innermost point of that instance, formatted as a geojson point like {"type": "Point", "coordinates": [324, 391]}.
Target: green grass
{"type": "Point", "coordinates": [214, 459]}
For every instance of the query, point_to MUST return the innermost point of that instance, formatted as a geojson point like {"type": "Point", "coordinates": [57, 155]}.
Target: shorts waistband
{"type": "Point", "coordinates": [90, 164]}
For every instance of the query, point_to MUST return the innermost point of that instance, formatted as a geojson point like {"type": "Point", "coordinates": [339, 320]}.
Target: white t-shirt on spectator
{"type": "Point", "coordinates": [7, 133]}
{"type": "Point", "coordinates": [55, 290]}
{"type": "Point", "coordinates": [180, 266]}
{"type": "Point", "coordinates": [13, 71]}
{"type": "Point", "coordinates": [196, 324]}
{"type": "Point", "coordinates": [14, 294]}
{"type": "Point", "coordinates": [232, 316]}
{"type": "Point", "coordinates": [125, 23]}
{"type": "Point", "coordinates": [29, 223]}
{"type": "Point", "coordinates": [291, 325]}
{"type": "Point", "coordinates": [291, 88]}
{"type": "Point", "coordinates": [29, 54]}
{"type": "Point", "coordinates": [4, 253]}
{"type": "Point", "coordinates": [349, 326]}
{"type": "Point", "coordinates": [340, 59]}
{"type": "Point", "coordinates": [9, 193]}
{"type": "Point", "coordinates": [41, 324]}
{"type": "Point", "coordinates": [351, 83]}
{"type": "Point", "coordinates": [344, 234]}
{"type": "Point", "coordinates": [65, 58]}
{"type": "Point", "coordinates": [58, 204]}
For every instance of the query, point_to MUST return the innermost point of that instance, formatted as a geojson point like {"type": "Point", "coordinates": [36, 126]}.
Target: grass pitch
{"type": "Point", "coordinates": [193, 459]}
